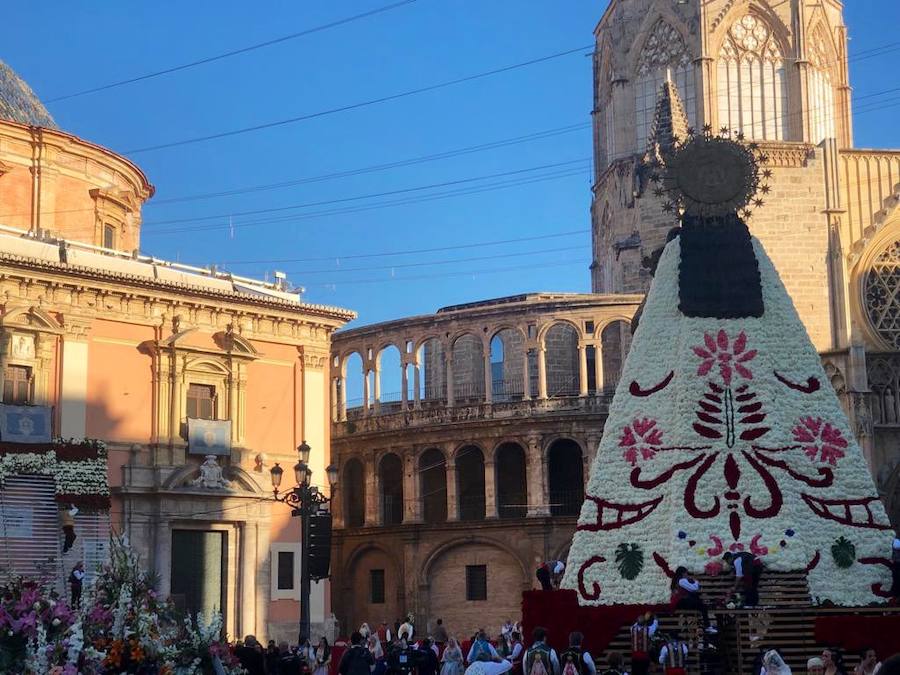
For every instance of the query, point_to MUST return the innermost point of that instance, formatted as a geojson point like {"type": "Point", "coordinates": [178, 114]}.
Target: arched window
{"type": "Point", "coordinates": [752, 87]}
{"type": "Point", "coordinates": [615, 341]}
{"type": "Point", "coordinates": [389, 375]}
{"type": "Point", "coordinates": [352, 385]}
{"type": "Point", "coordinates": [432, 371]}
{"type": "Point", "coordinates": [470, 483]}
{"type": "Point", "coordinates": [663, 55]}
{"type": "Point", "coordinates": [512, 493]}
{"type": "Point", "coordinates": [561, 354]}
{"type": "Point", "coordinates": [821, 90]}
{"type": "Point", "coordinates": [566, 474]}
{"type": "Point", "coordinates": [433, 476]}
{"type": "Point", "coordinates": [507, 365]}
{"type": "Point", "coordinates": [468, 368]}
{"type": "Point", "coordinates": [390, 473]}
{"type": "Point", "coordinates": [882, 294]}
{"type": "Point", "coordinates": [353, 478]}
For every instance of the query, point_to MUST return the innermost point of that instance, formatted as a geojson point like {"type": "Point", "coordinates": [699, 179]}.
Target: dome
{"type": "Point", "coordinates": [18, 103]}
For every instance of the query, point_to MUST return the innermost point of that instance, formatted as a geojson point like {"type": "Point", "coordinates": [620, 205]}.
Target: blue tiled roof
{"type": "Point", "coordinates": [18, 103]}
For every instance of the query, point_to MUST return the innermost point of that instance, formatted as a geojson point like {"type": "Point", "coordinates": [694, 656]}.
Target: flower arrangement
{"type": "Point", "coordinates": [121, 627]}
{"type": "Point", "coordinates": [77, 465]}
{"type": "Point", "coordinates": [724, 435]}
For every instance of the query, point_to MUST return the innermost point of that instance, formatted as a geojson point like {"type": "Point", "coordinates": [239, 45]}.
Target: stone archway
{"type": "Point", "coordinates": [455, 569]}
{"type": "Point", "coordinates": [372, 588]}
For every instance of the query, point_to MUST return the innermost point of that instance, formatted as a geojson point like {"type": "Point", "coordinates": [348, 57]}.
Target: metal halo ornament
{"type": "Point", "coordinates": [710, 175]}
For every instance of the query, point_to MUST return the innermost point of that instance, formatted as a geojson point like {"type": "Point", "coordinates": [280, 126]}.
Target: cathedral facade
{"type": "Point", "coordinates": [777, 73]}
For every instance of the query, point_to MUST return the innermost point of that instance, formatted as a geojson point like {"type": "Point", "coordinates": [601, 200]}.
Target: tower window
{"type": "Point", "coordinates": [17, 385]}
{"type": "Point", "coordinates": [109, 236]}
{"type": "Point", "coordinates": [201, 402]}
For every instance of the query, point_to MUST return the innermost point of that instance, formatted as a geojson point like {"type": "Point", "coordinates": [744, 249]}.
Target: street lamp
{"type": "Point", "coordinates": [305, 500]}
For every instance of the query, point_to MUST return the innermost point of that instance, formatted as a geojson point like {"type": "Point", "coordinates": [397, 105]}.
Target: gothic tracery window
{"type": "Point", "coordinates": [664, 55]}
{"type": "Point", "coordinates": [752, 87]}
{"type": "Point", "coordinates": [821, 90]}
{"type": "Point", "coordinates": [882, 294]}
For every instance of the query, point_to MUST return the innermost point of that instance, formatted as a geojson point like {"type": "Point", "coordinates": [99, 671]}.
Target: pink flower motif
{"type": "Point", "coordinates": [713, 568]}
{"type": "Point", "coordinates": [820, 440]}
{"type": "Point", "coordinates": [732, 356]}
{"type": "Point", "coordinates": [641, 439]}
{"type": "Point", "coordinates": [735, 547]}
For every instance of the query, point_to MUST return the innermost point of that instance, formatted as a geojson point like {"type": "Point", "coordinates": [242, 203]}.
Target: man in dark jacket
{"type": "Point", "coordinates": [251, 656]}
{"type": "Point", "coordinates": [357, 660]}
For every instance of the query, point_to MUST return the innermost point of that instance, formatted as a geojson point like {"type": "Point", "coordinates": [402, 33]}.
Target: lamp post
{"type": "Point", "coordinates": [305, 500]}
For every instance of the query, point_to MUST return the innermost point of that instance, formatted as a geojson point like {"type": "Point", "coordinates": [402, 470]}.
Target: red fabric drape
{"type": "Point", "coordinates": [853, 632]}
{"type": "Point", "coordinates": [560, 613]}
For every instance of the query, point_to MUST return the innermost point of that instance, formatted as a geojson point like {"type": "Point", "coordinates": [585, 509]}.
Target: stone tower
{"type": "Point", "coordinates": [775, 71]}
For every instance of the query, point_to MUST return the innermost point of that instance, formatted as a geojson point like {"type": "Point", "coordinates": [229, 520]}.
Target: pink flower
{"type": "Point", "coordinates": [641, 439]}
{"type": "Point", "coordinates": [713, 568]}
{"type": "Point", "coordinates": [820, 439]}
{"type": "Point", "coordinates": [731, 356]}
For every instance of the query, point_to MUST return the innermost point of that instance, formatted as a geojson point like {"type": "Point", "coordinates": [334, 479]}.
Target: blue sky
{"type": "Point", "coordinates": [61, 47]}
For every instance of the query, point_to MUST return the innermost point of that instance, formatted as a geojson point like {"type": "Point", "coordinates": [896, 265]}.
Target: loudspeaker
{"type": "Point", "coordinates": [319, 543]}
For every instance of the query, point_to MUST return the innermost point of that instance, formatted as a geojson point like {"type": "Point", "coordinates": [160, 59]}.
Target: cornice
{"type": "Point", "coordinates": [196, 293]}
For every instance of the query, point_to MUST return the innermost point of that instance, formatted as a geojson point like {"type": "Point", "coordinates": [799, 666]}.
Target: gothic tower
{"type": "Point", "coordinates": [775, 71]}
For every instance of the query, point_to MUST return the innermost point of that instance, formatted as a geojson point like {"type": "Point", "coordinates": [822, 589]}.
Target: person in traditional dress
{"type": "Point", "coordinates": [833, 660]}
{"type": "Point", "coordinates": [673, 655]}
{"type": "Point", "coordinates": [516, 649]}
{"type": "Point", "coordinates": [686, 595]}
{"type": "Point", "coordinates": [452, 660]}
{"type": "Point", "coordinates": [76, 579]}
{"type": "Point", "coordinates": [773, 664]}
{"type": "Point", "coordinates": [407, 630]}
{"type": "Point", "coordinates": [642, 632]}
{"type": "Point", "coordinates": [323, 657]}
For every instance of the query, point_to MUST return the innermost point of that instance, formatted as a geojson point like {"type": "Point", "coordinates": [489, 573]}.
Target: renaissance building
{"type": "Point", "coordinates": [190, 384]}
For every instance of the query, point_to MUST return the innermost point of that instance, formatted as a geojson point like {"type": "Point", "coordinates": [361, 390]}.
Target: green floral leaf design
{"type": "Point", "coordinates": [629, 560]}
{"type": "Point", "coordinates": [844, 552]}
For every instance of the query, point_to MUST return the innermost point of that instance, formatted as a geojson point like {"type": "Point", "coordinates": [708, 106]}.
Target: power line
{"type": "Point", "coordinates": [538, 135]}
{"type": "Point", "coordinates": [387, 193]}
{"type": "Point", "coordinates": [471, 273]}
{"type": "Point", "coordinates": [408, 252]}
{"type": "Point", "coordinates": [234, 52]}
{"type": "Point", "coordinates": [293, 218]}
{"type": "Point", "coordinates": [357, 105]}
{"type": "Point", "coordinates": [450, 261]}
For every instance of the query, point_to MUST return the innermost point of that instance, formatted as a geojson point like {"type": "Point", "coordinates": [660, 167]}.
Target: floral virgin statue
{"type": "Point", "coordinates": [724, 433]}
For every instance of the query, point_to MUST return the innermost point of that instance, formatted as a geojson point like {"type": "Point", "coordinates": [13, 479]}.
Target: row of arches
{"type": "Point", "coordinates": [508, 366]}
{"type": "Point", "coordinates": [467, 485]}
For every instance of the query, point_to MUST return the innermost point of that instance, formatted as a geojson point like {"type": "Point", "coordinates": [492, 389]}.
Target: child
{"type": "Point", "coordinates": [673, 655]}
{"type": "Point", "coordinates": [641, 634]}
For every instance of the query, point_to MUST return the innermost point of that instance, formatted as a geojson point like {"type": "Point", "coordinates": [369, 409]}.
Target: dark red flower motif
{"type": "Point", "coordinates": [731, 356]}
{"type": "Point", "coordinates": [641, 439]}
{"type": "Point", "coordinates": [820, 439]}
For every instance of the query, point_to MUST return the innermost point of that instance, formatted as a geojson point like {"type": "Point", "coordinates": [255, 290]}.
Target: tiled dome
{"type": "Point", "coordinates": [18, 103]}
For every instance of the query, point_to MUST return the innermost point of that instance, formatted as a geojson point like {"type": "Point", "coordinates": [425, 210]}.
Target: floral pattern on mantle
{"type": "Point", "coordinates": [741, 446]}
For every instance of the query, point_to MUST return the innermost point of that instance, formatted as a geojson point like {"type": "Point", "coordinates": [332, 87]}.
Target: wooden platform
{"type": "Point", "coordinates": [785, 619]}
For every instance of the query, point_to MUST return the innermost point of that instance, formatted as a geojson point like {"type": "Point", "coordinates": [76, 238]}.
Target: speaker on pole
{"type": "Point", "coordinates": [319, 542]}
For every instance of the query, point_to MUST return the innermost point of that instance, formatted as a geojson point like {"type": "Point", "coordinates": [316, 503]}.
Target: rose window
{"type": "Point", "coordinates": [881, 289]}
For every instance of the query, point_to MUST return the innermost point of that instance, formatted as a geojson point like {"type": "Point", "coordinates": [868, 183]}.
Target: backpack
{"type": "Point", "coordinates": [570, 661]}
{"type": "Point", "coordinates": [537, 660]}
{"type": "Point", "coordinates": [482, 651]}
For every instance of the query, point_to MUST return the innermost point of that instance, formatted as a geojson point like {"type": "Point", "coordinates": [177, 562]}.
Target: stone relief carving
{"type": "Point", "coordinates": [664, 47]}
{"type": "Point", "coordinates": [211, 476]}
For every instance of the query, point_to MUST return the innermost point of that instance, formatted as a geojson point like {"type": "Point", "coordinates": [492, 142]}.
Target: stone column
{"type": "Point", "coordinates": [526, 384]}
{"type": "Point", "coordinates": [490, 490]}
{"type": "Point", "coordinates": [417, 384]}
{"type": "Point", "coordinates": [73, 390]}
{"type": "Point", "coordinates": [448, 370]}
{"type": "Point", "coordinates": [376, 386]}
{"type": "Point", "coordinates": [538, 498]}
{"type": "Point", "coordinates": [412, 511]}
{"type": "Point", "coordinates": [343, 402]}
{"type": "Point", "coordinates": [365, 401]}
{"type": "Point", "coordinates": [371, 481]}
{"type": "Point", "coordinates": [598, 366]}
{"type": "Point", "coordinates": [582, 369]}
{"type": "Point", "coordinates": [247, 579]}
{"type": "Point", "coordinates": [452, 502]}
{"type": "Point", "coordinates": [404, 385]}
{"type": "Point", "coordinates": [162, 556]}
{"type": "Point", "coordinates": [488, 376]}
{"type": "Point", "coordinates": [542, 372]}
